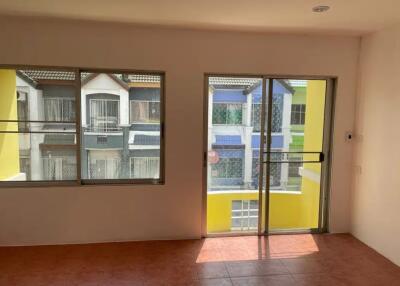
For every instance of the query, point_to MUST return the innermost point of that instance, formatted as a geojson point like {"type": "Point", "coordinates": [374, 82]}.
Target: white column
{"type": "Point", "coordinates": [124, 107]}
{"type": "Point", "coordinates": [36, 160]}
{"type": "Point", "coordinates": [248, 151]}
{"type": "Point", "coordinates": [83, 107]}
{"type": "Point", "coordinates": [36, 110]}
{"type": "Point", "coordinates": [287, 108]}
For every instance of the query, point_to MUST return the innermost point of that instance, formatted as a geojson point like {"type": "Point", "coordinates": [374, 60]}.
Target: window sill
{"type": "Point", "coordinates": [84, 183]}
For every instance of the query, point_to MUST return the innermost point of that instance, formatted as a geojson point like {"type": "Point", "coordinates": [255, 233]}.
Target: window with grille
{"type": "Point", "coordinates": [59, 167]}
{"type": "Point", "coordinates": [277, 113]}
{"type": "Point", "coordinates": [227, 113]}
{"type": "Point", "coordinates": [104, 114]}
{"type": "Point", "coordinates": [256, 117]}
{"type": "Point", "coordinates": [144, 111]}
{"type": "Point", "coordinates": [275, 168]}
{"type": "Point", "coordinates": [228, 168]}
{"type": "Point", "coordinates": [298, 114]}
{"type": "Point", "coordinates": [145, 167]}
{"type": "Point", "coordinates": [59, 109]}
{"type": "Point", "coordinates": [106, 168]}
{"type": "Point", "coordinates": [244, 215]}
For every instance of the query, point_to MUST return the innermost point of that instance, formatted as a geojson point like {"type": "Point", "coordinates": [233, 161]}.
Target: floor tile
{"type": "Point", "coordinates": [256, 268]}
{"type": "Point", "coordinates": [212, 270]}
{"type": "Point", "coordinates": [274, 280]}
{"type": "Point", "coordinates": [214, 282]}
{"type": "Point", "coordinates": [305, 259]}
{"type": "Point", "coordinates": [305, 265]}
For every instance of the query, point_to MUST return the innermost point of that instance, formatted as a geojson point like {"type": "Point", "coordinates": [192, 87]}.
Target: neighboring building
{"type": "Point", "coordinates": [121, 124]}
{"type": "Point", "coordinates": [234, 132]}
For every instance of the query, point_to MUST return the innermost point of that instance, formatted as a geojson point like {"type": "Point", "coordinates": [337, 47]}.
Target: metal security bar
{"type": "Point", "coordinates": [283, 157]}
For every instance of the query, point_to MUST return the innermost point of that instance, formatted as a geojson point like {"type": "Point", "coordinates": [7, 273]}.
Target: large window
{"type": "Point", "coordinates": [298, 114]}
{"type": "Point", "coordinates": [121, 126]}
{"type": "Point", "coordinates": [227, 113]}
{"type": "Point", "coordinates": [244, 215]}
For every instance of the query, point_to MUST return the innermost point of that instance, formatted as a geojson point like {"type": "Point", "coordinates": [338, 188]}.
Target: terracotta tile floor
{"type": "Point", "coordinates": [275, 260]}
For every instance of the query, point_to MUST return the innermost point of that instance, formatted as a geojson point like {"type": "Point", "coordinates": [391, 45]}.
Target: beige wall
{"type": "Point", "coordinates": [376, 188]}
{"type": "Point", "coordinates": [110, 213]}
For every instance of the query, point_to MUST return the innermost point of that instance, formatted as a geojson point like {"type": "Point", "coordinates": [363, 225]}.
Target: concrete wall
{"type": "Point", "coordinates": [174, 210]}
{"type": "Point", "coordinates": [376, 193]}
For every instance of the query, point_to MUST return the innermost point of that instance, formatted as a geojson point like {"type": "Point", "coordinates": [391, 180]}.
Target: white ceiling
{"type": "Point", "coordinates": [351, 17]}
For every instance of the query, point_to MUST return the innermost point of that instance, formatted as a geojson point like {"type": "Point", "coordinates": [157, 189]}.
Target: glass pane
{"type": "Point", "coordinates": [37, 128]}
{"type": "Point", "coordinates": [120, 126]}
{"type": "Point", "coordinates": [297, 127]}
{"type": "Point", "coordinates": [37, 95]}
{"type": "Point", "coordinates": [37, 157]}
{"type": "Point", "coordinates": [233, 152]}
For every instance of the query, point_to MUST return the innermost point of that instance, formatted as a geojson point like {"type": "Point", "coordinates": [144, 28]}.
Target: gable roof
{"type": "Point", "coordinates": [91, 76]}
{"type": "Point", "coordinates": [35, 77]}
{"type": "Point", "coordinates": [247, 84]}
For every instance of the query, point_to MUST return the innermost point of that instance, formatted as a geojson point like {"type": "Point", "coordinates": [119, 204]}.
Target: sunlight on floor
{"type": "Point", "coordinates": [257, 248]}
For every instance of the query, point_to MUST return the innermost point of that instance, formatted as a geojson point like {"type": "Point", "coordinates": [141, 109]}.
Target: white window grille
{"type": "Point", "coordinates": [59, 168]}
{"type": "Point", "coordinates": [104, 115]}
{"type": "Point", "coordinates": [104, 168]}
{"type": "Point", "coordinates": [145, 167]}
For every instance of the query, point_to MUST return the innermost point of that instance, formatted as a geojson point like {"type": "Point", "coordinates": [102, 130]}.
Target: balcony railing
{"type": "Point", "coordinates": [102, 129]}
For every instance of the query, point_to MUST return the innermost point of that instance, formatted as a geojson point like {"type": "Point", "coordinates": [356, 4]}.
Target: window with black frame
{"type": "Point", "coordinates": [120, 135]}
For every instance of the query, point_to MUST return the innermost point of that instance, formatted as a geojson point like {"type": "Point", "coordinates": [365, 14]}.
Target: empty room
{"type": "Point", "coordinates": [199, 143]}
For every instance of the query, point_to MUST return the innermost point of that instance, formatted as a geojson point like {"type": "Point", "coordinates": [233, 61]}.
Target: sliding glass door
{"type": "Point", "coordinates": [266, 157]}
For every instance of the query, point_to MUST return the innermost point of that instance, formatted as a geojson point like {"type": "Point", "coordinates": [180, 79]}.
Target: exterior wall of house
{"type": "Point", "coordinates": [9, 142]}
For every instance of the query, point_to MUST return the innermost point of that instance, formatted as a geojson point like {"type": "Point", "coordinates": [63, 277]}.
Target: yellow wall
{"type": "Point", "coordinates": [287, 210]}
{"type": "Point", "coordinates": [219, 209]}
{"type": "Point", "coordinates": [9, 146]}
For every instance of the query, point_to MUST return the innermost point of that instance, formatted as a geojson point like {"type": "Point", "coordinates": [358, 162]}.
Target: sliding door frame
{"type": "Point", "coordinates": [265, 140]}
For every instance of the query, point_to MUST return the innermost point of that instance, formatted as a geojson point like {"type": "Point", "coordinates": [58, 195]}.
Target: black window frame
{"type": "Point", "coordinates": [80, 181]}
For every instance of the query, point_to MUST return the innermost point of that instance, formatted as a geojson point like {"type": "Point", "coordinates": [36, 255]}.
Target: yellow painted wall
{"type": "Point", "coordinates": [9, 146]}
{"type": "Point", "coordinates": [219, 209]}
{"type": "Point", "coordinates": [287, 210]}
{"type": "Point", "coordinates": [313, 140]}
